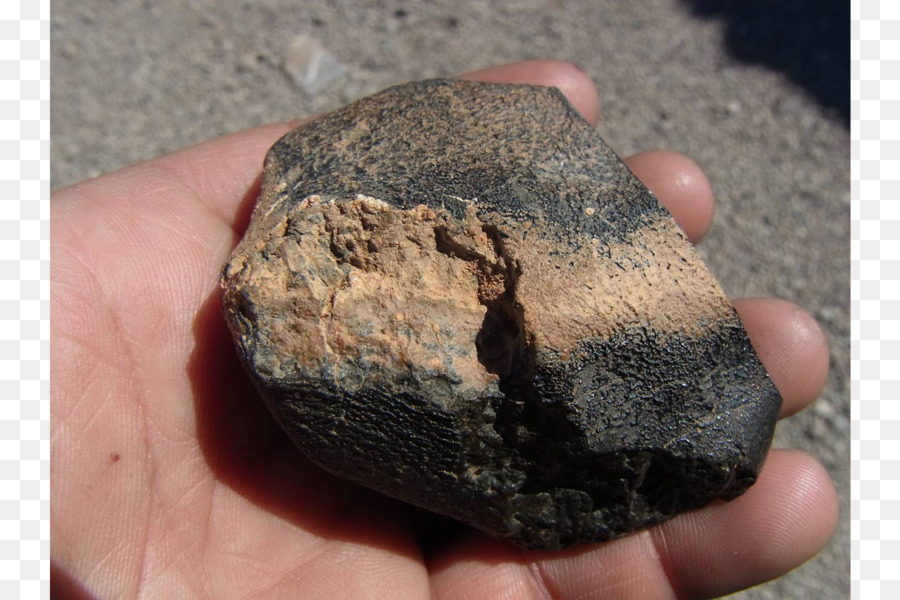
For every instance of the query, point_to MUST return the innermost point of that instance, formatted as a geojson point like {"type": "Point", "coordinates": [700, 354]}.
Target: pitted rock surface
{"type": "Point", "coordinates": [456, 294]}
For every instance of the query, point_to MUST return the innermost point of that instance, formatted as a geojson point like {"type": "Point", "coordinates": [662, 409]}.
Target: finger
{"type": "Point", "coordinates": [218, 173]}
{"type": "Point", "coordinates": [791, 345]}
{"type": "Point", "coordinates": [573, 82]}
{"type": "Point", "coordinates": [680, 186]}
{"type": "Point", "coordinates": [222, 170]}
{"type": "Point", "coordinates": [778, 524]}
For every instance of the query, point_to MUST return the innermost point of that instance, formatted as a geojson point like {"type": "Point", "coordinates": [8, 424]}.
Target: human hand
{"type": "Point", "coordinates": [171, 478]}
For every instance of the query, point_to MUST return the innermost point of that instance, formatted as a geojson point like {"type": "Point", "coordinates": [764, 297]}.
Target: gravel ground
{"type": "Point", "coordinates": [757, 93]}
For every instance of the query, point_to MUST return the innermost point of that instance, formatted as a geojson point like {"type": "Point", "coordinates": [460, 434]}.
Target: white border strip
{"type": "Point", "coordinates": [25, 298]}
{"type": "Point", "coordinates": [875, 294]}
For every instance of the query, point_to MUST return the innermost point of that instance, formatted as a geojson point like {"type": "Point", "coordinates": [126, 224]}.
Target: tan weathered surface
{"type": "Point", "coordinates": [360, 279]}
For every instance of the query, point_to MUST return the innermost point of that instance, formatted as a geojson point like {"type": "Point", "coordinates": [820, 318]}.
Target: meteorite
{"type": "Point", "coordinates": [456, 294]}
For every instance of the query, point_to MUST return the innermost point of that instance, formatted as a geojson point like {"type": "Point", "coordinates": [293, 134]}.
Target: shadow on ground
{"type": "Point", "coordinates": [807, 40]}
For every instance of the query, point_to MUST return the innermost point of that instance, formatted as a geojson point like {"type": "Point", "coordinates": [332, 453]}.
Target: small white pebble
{"type": "Point", "coordinates": [310, 66]}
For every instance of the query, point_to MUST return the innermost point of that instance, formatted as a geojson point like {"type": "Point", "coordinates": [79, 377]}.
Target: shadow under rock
{"type": "Point", "coordinates": [65, 587]}
{"type": "Point", "coordinates": [807, 40]}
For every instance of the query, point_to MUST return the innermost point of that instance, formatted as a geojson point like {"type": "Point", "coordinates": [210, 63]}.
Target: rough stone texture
{"type": "Point", "coordinates": [134, 79]}
{"type": "Point", "coordinates": [456, 294]}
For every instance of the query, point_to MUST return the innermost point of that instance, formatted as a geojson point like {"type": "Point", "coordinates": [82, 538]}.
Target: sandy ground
{"type": "Point", "coordinates": [758, 98]}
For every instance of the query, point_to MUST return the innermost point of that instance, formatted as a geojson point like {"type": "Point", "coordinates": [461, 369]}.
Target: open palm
{"type": "Point", "coordinates": [170, 478]}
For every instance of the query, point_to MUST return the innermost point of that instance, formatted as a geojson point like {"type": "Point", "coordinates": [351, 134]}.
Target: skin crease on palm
{"type": "Point", "coordinates": [170, 479]}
